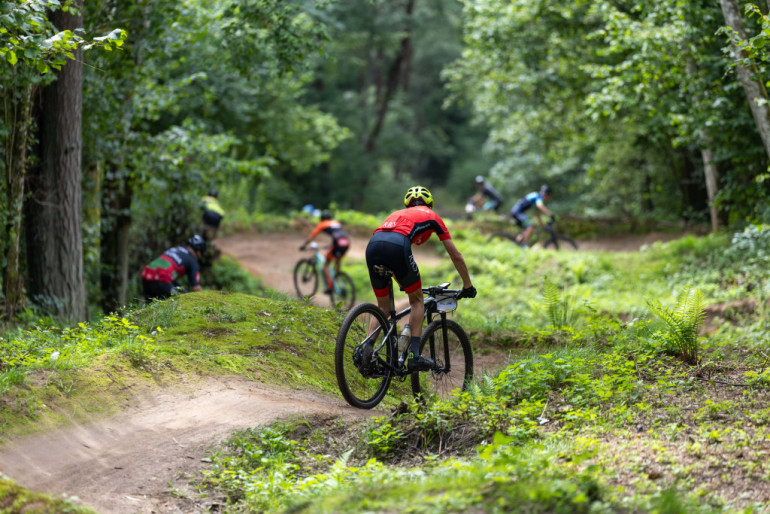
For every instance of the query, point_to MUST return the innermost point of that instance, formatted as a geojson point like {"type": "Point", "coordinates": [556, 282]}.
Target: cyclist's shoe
{"type": "Point", "coordinates": [419, 363]}
{"type": "Point", "coordinates": [328, 291]}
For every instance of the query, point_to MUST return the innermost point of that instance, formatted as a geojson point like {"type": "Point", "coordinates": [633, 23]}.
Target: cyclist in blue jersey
{"type": "Point", "coordinates": [537, 199]}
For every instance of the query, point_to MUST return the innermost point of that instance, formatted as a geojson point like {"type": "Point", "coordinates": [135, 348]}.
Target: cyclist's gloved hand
{"type": "Point", "coordinates": [468, 292]}
{"type": "Point", "coordinates": [553, 218]}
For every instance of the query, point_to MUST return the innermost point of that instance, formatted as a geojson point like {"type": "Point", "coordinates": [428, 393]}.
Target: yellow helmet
{"type": "Point", "coordinates": [418, 193]}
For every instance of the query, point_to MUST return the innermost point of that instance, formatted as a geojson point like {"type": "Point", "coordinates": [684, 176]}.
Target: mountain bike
{"type": "Point", "coordinates": [552, 239]}
{"type": "Point", "coordinates": [367, 355]}
{"type": "Point", "coordinates": [308, 272]}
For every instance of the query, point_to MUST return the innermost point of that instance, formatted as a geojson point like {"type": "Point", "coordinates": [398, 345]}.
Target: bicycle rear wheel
{"type": "Point", "coordinates": [560, 242]}
{"type": "Point", "coordinates": [453, 355]}
{"type": "Point", "coordinates": [362, 359]}
{"type": "Point", "coordinates": [347, 291]}
{"type": "Point", "coordinates": [305, 278]}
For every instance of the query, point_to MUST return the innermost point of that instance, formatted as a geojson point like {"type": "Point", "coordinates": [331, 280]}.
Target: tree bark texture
{"type": "Point", "coordinates": [55, 242]}
{"type": "Point", "coordinates": [754, 89]}
{"type": "Point", "coordinates": [18, 111]}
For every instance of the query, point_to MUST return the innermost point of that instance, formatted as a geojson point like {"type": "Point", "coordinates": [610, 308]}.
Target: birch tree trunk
{"type": "Point", "coordinates": [754, 89]}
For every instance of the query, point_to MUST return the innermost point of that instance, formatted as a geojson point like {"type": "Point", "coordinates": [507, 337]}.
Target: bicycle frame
{"type": "Point", "coordinates": [393, 317]}
{"type": "Point", "coordinates": [320, 261]}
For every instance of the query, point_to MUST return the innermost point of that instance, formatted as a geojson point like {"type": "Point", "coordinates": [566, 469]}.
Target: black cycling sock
{"type": "Point", "coordinates": [414, 345]}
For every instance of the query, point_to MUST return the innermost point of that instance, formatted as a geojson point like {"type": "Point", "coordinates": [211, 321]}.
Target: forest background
{"type": "Point", "coordinates": [119, 116]}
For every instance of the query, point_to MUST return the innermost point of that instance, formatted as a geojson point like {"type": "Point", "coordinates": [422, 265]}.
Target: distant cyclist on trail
{"type": "Point", "coordinates": [538, 199]}
{"type": "Point", "coordinates": [159, 277]}
{"type": "Point", "coordinates": [484, 191]}
{"type": "Point", "coordinates": [212, 215]}
{"type": "Point", "coordinates": [391, 246]}
{"type": "Point", "coordinates": [340, 245]}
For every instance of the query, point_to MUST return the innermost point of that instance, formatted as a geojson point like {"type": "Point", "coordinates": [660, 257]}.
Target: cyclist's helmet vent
{"type": "Point", "coordinates": [545, 190]}
{"type": "Point", "coordinates": [197, 243]}
{"type": "Point", "coordinates": [326, 215]}
{"type": "Point", "coordinates": [418, 193]}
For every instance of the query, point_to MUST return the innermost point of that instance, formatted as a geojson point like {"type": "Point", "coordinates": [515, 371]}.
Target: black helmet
{"type": "Point", "coordinates": [326, 215]}
{"type": "Point", "coordinates": [214, 193]}
{"type": "Point", "coordinates": [197, 243]}
{"type": "Point", "coordinates": [545, 190]}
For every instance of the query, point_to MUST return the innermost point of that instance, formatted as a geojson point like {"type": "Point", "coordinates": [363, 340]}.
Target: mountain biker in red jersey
{"type": "Point", "coordinates": [339, 247]}
{"type": "Point", "coordinates": [391, 246]}
{"type": "Point", "coordinates": [159, 276]}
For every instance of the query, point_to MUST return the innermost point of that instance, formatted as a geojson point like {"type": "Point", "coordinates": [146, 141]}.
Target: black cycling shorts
{"type": "Point", "coordinates": [394, 251]}
{"type": "Point", "coordinates": [154, 289]}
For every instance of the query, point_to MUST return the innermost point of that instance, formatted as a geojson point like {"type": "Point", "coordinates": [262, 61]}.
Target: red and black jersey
{"type": "Point", "coordinates": [334, 229]}
{"type": "Point", "coordinates": [416, 223]}
{"type": "Point", "coordinates": [174, 263]}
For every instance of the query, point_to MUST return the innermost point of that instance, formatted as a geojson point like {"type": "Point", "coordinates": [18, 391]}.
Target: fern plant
{"type": "Point", "coordinates": [683, 321]}
{"type": "Point", "coordinates": [559, 306]}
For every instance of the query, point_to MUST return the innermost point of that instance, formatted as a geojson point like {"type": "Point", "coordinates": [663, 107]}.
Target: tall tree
{"type": "Point", "coordinates": [53, 216]}
{"type": "Point", "coordinates": [753, 86]}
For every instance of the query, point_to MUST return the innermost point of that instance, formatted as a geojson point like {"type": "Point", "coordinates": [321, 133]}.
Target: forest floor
{"type": "Point", "coordinates": [141, 460]}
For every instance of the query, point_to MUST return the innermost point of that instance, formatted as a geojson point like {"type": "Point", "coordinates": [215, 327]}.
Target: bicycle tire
{"type": "Point", "coordinates": [460, 374]}
{"type": "Point", "coordinates": [505, 236]}
{"type": "Point", "coordinates": [305, 278]}
{"type": "Point", "coordinates": [347, 293]}
{"type": "Point", "coordinates": [363, 380]}
{"type": "Point", "coordinates": [560, 242]}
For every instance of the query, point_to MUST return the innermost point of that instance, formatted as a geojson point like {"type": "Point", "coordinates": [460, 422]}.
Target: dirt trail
{"type": "Point", "coordinates": [140, 460]}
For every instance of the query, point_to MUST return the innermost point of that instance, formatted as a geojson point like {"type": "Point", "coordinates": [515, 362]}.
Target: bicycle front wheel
{"type": "Point", "coordinates": [362, 358]}
{"type": "Point", "coordinates": [448, 345]}
{"type": "Point", "coordinates": [347, 291]}
{"type": "Point", "coordinates": [305, 278]}
{"type": "Point", "coordinates": [560, 242]}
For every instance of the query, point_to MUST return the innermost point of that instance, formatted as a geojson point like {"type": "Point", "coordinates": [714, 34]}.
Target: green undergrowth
{"type": "Point", "coordinates": [619, 426]}
{"type": "Point", "coordinates": [613, 401]}
{"type": "Point", "coordinates": [17, 499]}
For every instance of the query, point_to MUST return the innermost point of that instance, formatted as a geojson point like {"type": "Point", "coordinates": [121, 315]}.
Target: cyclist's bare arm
{"type": "Point", "coordinates": [545, 210]}
{"type": "Point", "coordinates": [459, 262]}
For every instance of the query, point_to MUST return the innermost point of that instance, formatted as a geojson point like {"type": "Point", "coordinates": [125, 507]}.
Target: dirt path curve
{"type": "Point", "coordinates": [273, 255]}
{"type": "Point", "coordinates": [140, 460]}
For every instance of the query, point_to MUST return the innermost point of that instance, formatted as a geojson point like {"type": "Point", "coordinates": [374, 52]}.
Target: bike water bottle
{"type": "Point", "coordinates": [404, 339]}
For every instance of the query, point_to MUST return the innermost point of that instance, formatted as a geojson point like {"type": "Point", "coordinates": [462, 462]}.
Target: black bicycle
{"type": "Point", "coordinates": [367, 356]}
{"type": "Point", "coordinates": [551, 240]}
{"type": "Point", "coordinates": [308, 273]}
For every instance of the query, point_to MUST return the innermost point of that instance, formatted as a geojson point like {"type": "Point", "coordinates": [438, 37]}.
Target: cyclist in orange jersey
{"type": "Point", "coordinates": [338, 249]}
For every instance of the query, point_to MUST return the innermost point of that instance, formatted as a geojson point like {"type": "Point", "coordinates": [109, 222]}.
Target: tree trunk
{"type": "Point", "coordinates": [117, 195]}
{"type": "Point", "coordinates": [711, 173]}
{"type": "Point", "coordinates": [18, 117]}
{"type": "Point", "coordinates": [55, 242]}
{"type": "Point", "coordinates": [395, 75]}
{"type": "Point", "coordinates": [754, 89]}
